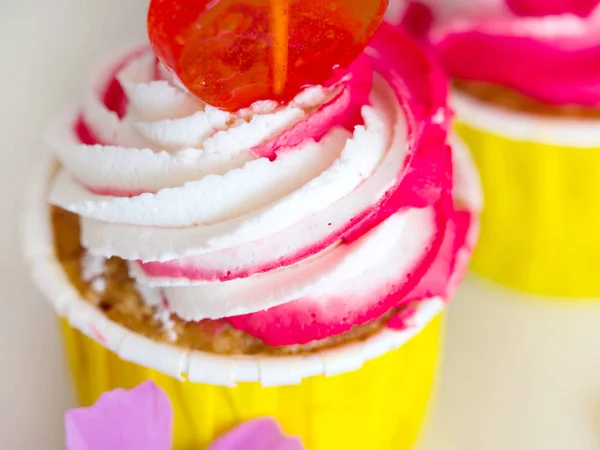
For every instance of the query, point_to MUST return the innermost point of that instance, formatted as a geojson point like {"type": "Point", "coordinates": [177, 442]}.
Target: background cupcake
{"type": "Point", "coordinates": [527, 98]}
{"type": "Point", "coordinates": [250, 262]}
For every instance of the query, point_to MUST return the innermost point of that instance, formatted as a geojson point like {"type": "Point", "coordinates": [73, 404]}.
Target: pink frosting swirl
{"type": "Point", "coordinates": [548, 50]}
{"type": "Point", "coordinates": [293, 223]}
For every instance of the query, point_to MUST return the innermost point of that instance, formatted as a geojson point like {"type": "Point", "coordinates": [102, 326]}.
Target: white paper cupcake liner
{"type": "Point", "coordinates": [522, 126]}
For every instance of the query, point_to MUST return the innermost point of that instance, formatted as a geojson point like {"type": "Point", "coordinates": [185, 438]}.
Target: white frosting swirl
{"type": "Point", "coordinates": [175, 181]}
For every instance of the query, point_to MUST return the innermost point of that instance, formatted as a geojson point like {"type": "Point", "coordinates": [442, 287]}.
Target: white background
{"type": "Point", "coordinates": [519, 373]}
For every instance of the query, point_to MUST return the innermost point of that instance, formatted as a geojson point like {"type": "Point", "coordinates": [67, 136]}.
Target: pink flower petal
{"type": "Point", "coordinates": [139, 419]}
{"type": "Point", "coordinates": [258, 434]}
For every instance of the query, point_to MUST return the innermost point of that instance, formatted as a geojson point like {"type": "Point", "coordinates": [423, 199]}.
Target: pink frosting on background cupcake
{"type": "Point", "coordinates": [548, 50]}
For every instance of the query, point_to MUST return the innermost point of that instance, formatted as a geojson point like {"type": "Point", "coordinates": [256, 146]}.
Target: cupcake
{"type": "Point", "coordinates": [287, 258]}
{"type": "Point", "coordinates": [527, 97]}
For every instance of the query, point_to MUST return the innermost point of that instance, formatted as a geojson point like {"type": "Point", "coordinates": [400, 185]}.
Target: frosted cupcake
{"type": "Point", "coordinates": [527, 98]}
{"type": "Point", "coordinates": [287, 259]}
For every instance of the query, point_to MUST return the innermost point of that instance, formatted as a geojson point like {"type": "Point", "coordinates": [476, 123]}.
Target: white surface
{"type": "Point", "coordinates": [518, 375]}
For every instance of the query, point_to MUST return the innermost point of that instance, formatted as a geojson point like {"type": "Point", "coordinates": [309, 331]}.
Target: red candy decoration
{"type": "Point", "coordinates": [231, 53]}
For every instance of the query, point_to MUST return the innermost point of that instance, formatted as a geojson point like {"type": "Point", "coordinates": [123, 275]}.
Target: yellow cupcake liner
{"type": "Point", "coordinates": [380, 406]}
{"type": "Point", "coordinates": [541, 182]}
{"type": "Point", "coordinates": [366, 394]}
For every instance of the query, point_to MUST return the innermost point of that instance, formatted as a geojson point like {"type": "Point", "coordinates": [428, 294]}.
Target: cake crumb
{"type": "Point", "coordinates": [92, 266]}
{"type": "Point", "coordinates": [163, 315]}
{"type": "Point", "coordinates": [98, 285]}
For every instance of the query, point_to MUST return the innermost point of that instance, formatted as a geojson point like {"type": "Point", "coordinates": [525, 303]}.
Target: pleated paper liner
{"type": "Point", "coordinates": [365, 394]}
{"type": "Point", "coordinates": [328, 399]}
{"type": "Point", "coordinates": [381, 406]}
{"type": "Point", "coordinates": [541, 183]}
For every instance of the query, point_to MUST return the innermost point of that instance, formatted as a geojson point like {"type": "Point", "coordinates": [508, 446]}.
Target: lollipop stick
{"type": "Point", "coordinates": [279, 32]}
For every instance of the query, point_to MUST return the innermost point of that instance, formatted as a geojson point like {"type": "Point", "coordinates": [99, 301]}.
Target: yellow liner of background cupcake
{"type": "Point", "coordinates": [541, 182]}
{"type": "Point", "coordinates": [370, 393]}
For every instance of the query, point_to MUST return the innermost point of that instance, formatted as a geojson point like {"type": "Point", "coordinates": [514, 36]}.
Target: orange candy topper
{"type": "Point", "coordinates": [231, 53]}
